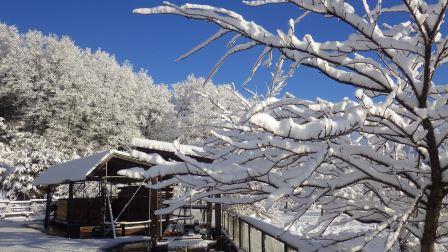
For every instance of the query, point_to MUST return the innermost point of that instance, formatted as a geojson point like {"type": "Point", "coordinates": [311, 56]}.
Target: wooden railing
{"type": "Point", "coordinates": [251, 235]}
{"type": "Point", "coordinates": [21, 208]}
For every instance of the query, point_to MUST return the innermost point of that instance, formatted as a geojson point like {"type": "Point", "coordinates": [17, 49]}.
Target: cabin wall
{"type": "Point", "coordinates": [85, 211]}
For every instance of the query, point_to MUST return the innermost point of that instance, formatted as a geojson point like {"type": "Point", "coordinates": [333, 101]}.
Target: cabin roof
{"type": "Point", "coordinates": [88, 167]}
{"type": "Point", "coordinates": [108, 163]}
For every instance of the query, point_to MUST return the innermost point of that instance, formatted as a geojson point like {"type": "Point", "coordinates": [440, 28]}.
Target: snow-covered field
{"type": "Point", "coordinates": [14, 236]}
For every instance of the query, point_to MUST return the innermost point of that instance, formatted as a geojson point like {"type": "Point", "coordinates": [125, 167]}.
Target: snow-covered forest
{"type": "Point", "coordinates": [59, 101]}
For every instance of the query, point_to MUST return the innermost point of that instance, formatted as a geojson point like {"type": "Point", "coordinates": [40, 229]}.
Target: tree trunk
{"type": "Point", "coordinates": [435, 197]}
{"type": "Point", "coordinates": [434, 205]}
{"type": "Point", "coordinates": [432, 218]}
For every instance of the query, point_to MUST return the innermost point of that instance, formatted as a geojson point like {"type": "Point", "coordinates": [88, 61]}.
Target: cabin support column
{"type": "Point", "coordinates": [48, 207]}
{"type": "Point", "coordinates": [69, 209]}
{"type": "Point", "coordinates": [154, 225]}
{"type": "Point", "coordinates": [103, 213]}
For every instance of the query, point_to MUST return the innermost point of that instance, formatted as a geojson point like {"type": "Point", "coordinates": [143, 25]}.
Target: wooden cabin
{"type": "Point", "coordinates": [98, 196]}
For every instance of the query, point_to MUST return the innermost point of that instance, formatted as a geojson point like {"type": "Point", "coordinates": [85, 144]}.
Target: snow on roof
{"type": "Point", "coordinates": [74, 170]}
{"type": "Point", "coordinates": [189, 150]}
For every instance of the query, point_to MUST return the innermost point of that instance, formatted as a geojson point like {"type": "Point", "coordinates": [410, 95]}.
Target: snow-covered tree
{"type": "Point", "coordinates": [380, 159]}
{"type": "Point", "coordinates": [23, 156]}
{"type": "Point", "coordinates": [4, 148]}
{"type": "Point", "coordinates": [53, 88]}
{"type": "Point", "coordinates": [200, 106]}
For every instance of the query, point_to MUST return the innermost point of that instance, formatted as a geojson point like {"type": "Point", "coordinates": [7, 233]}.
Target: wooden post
{"type": "Point", "coordinates": [218, 221]}
{"type": "Point", "coordinates": [218, 215]}
{"type": "Point", "coordinates": [263, 242]}
{"type": "Point", "coordinates": [111, 215]}
{"type": "Point", "coordinates": [103, 186]}
{"type": "Point", "coordinates": [69, 208]}
{"type": "Point", "coordinates": [209, 219]}
{"type": "Point", "coordinates": [240, 234]}
{"type": "Point", "coordinates": [228, 221]}
{"type": "Point", "coordinates": [248, 235]}
{"type": "Point", "coordinates": [149, 212]}
{"type": "Point", "coordinates": [233, 230]}
{"type": "Point", "coordinates": [167, 216]}
{"type": "Point", "coordinates": [154, 227]}
{"type": "Point", "coordinates": [48, 207]}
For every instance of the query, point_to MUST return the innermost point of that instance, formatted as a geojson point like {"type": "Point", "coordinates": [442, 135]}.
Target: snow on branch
{"type": "Point", "coordinates": [379, 159]}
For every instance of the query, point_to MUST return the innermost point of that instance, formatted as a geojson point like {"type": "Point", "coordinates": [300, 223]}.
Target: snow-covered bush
{"type": "Point", "coordinates": [379, 159]}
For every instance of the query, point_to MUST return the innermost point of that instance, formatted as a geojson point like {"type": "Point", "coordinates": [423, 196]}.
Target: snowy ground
{"type": "Point", "coordinates": [14, 236]}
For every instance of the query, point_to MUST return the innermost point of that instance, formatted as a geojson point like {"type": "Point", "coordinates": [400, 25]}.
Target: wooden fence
{"type": "Point", "coordinates": [250, 235]}
{"type": "Point", "coordinates": [21, 208]}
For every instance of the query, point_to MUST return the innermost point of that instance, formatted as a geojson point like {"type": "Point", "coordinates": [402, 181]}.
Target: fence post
{"type": "Point", "coordinates": [233, 229]}
{"type": "Point", "coordinates": [209, 219]}
{"type": "Point", "coordinates": [263, 242]}
{"type": "Point", "coordinates": [218, 212]}
{"type": "Point", "coordinates": [240, 234]}
{"type": "Point", "coordinates": [248, 235]}
{"type": "Point", "coordinates": [228, 222]}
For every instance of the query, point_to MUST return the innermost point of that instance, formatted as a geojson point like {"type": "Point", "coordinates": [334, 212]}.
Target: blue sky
{"type": "Point", "coordinates": [154, 42]}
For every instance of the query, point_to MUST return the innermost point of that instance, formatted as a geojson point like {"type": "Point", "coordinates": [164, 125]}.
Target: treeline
{"type": "Point", "coordinates": [58, 100]}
